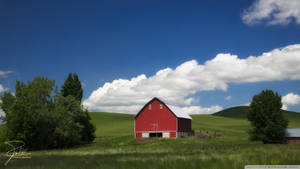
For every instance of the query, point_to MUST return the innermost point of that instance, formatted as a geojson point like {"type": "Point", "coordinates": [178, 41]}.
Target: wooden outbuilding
{"type": "Point", "coordinates": [292, 136]}
{"type": "Point", "coordinates": [157, 119]}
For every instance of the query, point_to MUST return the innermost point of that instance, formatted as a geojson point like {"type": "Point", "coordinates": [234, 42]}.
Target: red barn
{"type": "Point", "coordinates": [156, 119]}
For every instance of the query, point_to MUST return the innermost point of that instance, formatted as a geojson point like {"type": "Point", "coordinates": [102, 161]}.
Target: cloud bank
{"type": "Point", "coordinates": [177, 86]}
{"type": "Point", "coordinates": [273, 12]}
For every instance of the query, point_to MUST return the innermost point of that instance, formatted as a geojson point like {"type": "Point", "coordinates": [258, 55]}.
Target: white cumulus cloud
{"type": "Point", "coordinates": [273, 12]}
{"type": "Point", "coordinates": [177, 86]}
{"type": "Point", "coordinates": [201, 110]}
{"type": "Point", "coordinates": [290, 99]}
{"type": "Point", "coordinates": [284, 107]}
{"type": "Point", "coordinates": [2, 89]}
{"type": "Point", "coordinates": [1, 112]}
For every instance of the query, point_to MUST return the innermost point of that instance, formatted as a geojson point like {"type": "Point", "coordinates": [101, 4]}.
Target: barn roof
{"type": "Point", "coordinates": [292, 132]}
{"type": "Point", "coordinates": [178, 112]}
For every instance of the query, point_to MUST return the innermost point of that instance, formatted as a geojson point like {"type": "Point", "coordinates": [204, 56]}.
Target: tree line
{"type": "Point", "coordinates": [43, 117]}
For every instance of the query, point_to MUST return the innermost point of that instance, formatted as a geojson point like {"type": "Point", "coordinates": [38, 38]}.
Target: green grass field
{"type": "Point", "coordinates": [115, 147]}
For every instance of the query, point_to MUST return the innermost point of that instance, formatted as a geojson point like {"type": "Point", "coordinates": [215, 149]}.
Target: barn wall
{"type": "Point", "coordinates": [173, 134]}
{"type": "Point", "coordinates": [138, 135]}
{"type": "Point", "coordinates": [293, 140]}
{"type": "Point", "coordinates": [184, 125]}
{"type": "Point", "coordinates": [155, 119]}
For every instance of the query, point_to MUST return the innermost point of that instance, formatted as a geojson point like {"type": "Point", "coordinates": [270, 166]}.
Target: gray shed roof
{"type": "Point", "coordinates": [292, 132]}
{"type": "Point", "coordinates": [179, 112]}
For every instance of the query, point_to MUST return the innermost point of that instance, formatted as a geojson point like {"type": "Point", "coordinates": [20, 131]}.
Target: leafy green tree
{"type": "Point", "coordinates": [72, 86]}
{"type": "Point", "coordinates": [74, 123]}
{"type": "Point", "coordinates": [266, 118]}
{"type": "Point", "coordinates": [26, 117]}
{"type": "Point", "coordinates": [41, 117]}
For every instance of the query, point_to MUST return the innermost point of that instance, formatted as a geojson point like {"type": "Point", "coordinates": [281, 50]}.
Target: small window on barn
{"type": "Point", "coordinates": [149, 106]}
{"type": "Point", "coordinates": [161, 106]}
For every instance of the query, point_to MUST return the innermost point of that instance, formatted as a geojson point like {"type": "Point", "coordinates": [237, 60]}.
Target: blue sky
{"type": "Point", "coordinates": [103, 41]}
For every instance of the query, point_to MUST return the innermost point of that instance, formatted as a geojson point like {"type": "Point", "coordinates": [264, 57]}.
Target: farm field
{"type": "Point", "coordinates": [116, 148]}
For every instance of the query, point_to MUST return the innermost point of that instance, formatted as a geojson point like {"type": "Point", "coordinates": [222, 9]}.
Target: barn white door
{"type": "Point", "coordinates": [145, 135]}
{"type": "Point", "coordinates": [166, 134]}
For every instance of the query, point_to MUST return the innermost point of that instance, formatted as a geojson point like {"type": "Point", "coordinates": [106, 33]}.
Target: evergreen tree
{"type": "Point", "coordinates": [266, 118]}
{"type": "Point", "coordinates": [72, 86]}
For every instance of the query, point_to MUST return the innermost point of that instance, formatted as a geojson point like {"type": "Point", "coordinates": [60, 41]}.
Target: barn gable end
{"type": "Point", "coordinates": [176, 111]}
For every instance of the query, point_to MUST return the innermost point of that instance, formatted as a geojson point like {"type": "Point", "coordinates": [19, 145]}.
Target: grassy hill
{"type": "Point", "coordinates": [116, 148]}
{"type": "Point", "coordinates": [240, 112]}
{"type": "Point", "coordinates": [113, 124]}
{"type": "Point", "coordinates": [233, 112]}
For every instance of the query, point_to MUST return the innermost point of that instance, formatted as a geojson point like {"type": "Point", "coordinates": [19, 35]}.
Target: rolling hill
{"type": "Point", "coordinates": [113, 124]}
{"type": "Point", "coordinates": [240, 112]}
{"type": "Point", "coordinates": [233, 112]}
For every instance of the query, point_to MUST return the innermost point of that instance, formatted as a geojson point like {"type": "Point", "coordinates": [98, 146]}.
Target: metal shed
{"type": "Point", "coordinates": [292, 136]}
